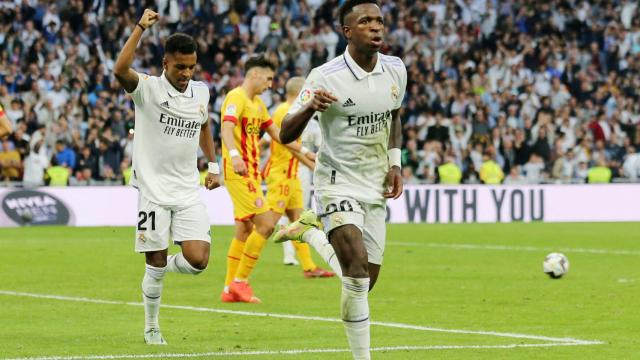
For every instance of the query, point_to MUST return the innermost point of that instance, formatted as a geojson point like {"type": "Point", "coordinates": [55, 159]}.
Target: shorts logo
{"type": "Point", "coordinates": [141, 238]}
{"type": "Point", "coordinates": [395, 92]}
{"type": "Point", "coordinates": [337, 219]}
{"type": "Point", "coordinates": [259, 203]}
{"type": "Point", "coordinates": [305, 96]}
{"type": "Point", "coordinates": [230, 110]}
{"type": "Point", "coordinates": [281, 204]}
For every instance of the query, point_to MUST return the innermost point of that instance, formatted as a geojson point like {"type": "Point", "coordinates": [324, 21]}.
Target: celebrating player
{"type": "Point", "coordinates": [357, 95]}
{"type": "Point", "coordinates": [171, 121]}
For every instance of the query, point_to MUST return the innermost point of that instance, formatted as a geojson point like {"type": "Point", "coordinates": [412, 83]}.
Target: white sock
{"type": "Point", "coordinates": [289, 251]}
{"type": "Point", "coordinates": [151, 294]}
{"type": "Point", "coordinates": [178, 264]}
{"type": "Point", "coordinates": [355, 315]}
{"type": "Point", "coordinates": [318, 239]}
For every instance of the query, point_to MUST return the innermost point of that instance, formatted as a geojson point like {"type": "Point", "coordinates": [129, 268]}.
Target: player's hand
{"type": "Point", "coordinates": [239, 167]}
{"type": "Point", "coordinates": [212, 181]}
{"type": "Point", "coordinates": [322, 99]}
{"type": "Point", "coordinates": [393, 183]}
{"type": "Point", "coordinates": [149, 17]}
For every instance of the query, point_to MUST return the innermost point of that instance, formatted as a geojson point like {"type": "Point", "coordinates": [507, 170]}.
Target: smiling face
{"type": "Point", "coordinates": [364, 28]}
{"type": "Point", "coordinates": [179, 68]}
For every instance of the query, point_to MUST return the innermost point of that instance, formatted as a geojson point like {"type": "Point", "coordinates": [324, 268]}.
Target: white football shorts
{"type": "Point", "coordinates": [158, 224]}
{"type": "Point", "coordinates": [337, 210]}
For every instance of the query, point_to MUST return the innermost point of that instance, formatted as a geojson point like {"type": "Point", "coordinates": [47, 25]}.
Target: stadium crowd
{"type": "Point", "coordinates": [498, 92]}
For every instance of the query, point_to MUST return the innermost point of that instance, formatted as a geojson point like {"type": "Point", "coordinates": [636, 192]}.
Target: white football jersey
{"type": "Point", "coordinates": [167, 138]}
{"type": "Point", "coordinates": [311, 139]}
{"type": "Point", "coordinates": [355, 129]}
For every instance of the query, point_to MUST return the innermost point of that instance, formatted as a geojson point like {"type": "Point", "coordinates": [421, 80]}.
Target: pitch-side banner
{"type": "Point", "coordinates": [117, 206]}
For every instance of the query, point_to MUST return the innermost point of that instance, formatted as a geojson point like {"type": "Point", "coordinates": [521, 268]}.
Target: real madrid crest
{"type": "Point", "coordinates": [395, 92]}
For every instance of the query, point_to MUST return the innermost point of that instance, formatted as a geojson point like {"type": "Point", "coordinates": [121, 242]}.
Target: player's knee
{"type": "Point", "coordinates": [265, 229]}
{"type": "Point", "coordinates": [200, 261]}
{"type": "Point", "coordinates": [357, 267]}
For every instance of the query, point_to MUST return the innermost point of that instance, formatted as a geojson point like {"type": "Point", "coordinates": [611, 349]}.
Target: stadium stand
{"type": "Point", "coordinates": [544, 89]}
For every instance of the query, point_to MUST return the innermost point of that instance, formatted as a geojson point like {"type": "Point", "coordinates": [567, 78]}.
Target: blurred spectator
{"type": "Point", "coordinates": [64, 155]}
{"type": "Point", "coordinates": [10, 164]}
{"type": "Point", "coordinates": [56, 175]}
{"type": "Point", "coordinates": [490, 171]}
{"type": "Point", "coordinates": [599, 174]}
{"type": "Point", "coordinates": [515, 177]}
{"type": "Point", "coordinates": [449, 172]}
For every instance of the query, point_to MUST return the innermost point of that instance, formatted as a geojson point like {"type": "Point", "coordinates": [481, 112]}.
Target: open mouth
{"type": "Point", "coordinates": [376, 41]}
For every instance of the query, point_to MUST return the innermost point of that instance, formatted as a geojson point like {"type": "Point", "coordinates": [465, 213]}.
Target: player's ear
{"type": "Point", "coordinates": [165, 62]}
{"type": "Point", "coordinates": [346, 31]}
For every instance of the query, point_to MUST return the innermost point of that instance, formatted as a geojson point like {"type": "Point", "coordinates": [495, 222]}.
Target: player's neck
{"type": "Point", "coordinates": [367, 62]}
{"type": "Point", "coordinates": [248, 89]}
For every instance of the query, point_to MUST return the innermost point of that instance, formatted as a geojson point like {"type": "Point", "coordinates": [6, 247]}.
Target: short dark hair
{"type": "Point", "coordinates": [259, 61]}
{"type": "Point", "coordinates": [348, 6]}
{"type": "Point", "coordinates": [180, 42]}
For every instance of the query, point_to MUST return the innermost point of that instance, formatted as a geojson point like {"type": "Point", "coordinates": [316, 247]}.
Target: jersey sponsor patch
{"type": "Point", "coordinates": [230, 110]}
{"type": "Point", "coordinates": [305, 96]}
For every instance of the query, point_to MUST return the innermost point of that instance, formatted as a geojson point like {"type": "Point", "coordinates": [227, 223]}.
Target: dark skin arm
{"type": "Point", "coordinates": [394, 177]}
{"type": "Point", "coordinates": [294, 124]}
{"type": "Point", "coordinates": [212, 181]}
{"type": "Point", "coordinates": [122, 70]}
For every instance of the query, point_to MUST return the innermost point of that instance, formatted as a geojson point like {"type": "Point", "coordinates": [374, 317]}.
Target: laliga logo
{"type": "Point", "coordinates": [305, 96]}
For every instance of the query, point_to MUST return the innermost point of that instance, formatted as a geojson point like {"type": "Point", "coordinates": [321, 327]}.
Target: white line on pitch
{"type": "Point", "coordinates": [291, 352]}
{"type": "Point", "coordinates": [302, 317]}
{"type": "Point", "coordinates": [516, 248]}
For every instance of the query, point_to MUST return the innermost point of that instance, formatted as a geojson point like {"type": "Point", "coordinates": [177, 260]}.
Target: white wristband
{"type": "Point", "coordinates": [214, 168]}
{"type": "Point", "coordinates": [234, 153]}
{"type": "Point", "coordinates": [395, 156]}
{"type": "Point", "coordinates": [304, 150]}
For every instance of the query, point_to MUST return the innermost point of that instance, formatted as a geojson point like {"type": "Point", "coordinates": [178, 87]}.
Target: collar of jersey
{"type": "Point", "coordinates": [356, 70]}
{"type": "Point", "coordinates": [173, 92]}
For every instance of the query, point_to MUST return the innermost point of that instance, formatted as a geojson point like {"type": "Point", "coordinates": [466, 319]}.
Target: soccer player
{"type": "Point", "coordinates": [284, 191]}
{"type": "Point", "coordinates": [171, 121]}
{"type": "Point", "coordinates": [6, 127]}
{"type": "Point", "coordinates": [244, 115]}
{"type": "Point", "coordinates": [357, 95]}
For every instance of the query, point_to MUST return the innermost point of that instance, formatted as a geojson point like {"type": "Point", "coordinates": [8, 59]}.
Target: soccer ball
{"type": "Point", "coordinates": [555, 265]}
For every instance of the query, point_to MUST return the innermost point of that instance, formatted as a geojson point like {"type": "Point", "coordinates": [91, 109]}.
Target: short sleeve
{"type": "Point", "coordinates": [402, 76]}
{"type": "Point", "coordinates": [264, 116]}
{"type": "Point", "coordinates": [142, 90]}
{"type": "Point", "coordinates": [313, 82]}
{"type": "Point", "coordinates": [232, 107]}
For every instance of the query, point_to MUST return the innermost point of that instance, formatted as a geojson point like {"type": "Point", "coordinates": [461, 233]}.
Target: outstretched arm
{"type": "Point", "coordinates": [122, 70]}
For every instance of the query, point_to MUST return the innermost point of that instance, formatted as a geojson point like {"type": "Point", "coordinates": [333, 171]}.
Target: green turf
{"type": "Point", "coordinates": [424, 282]}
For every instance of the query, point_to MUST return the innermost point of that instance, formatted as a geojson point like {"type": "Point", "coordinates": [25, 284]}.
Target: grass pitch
{"type": "Point", "coordinates": [473, 291]}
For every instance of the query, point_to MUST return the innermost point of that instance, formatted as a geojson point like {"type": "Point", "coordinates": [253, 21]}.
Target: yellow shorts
{"type": "Point", "coordinates": [284, 194]}
{"type": "Point", "coordinates": [247, 197]}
